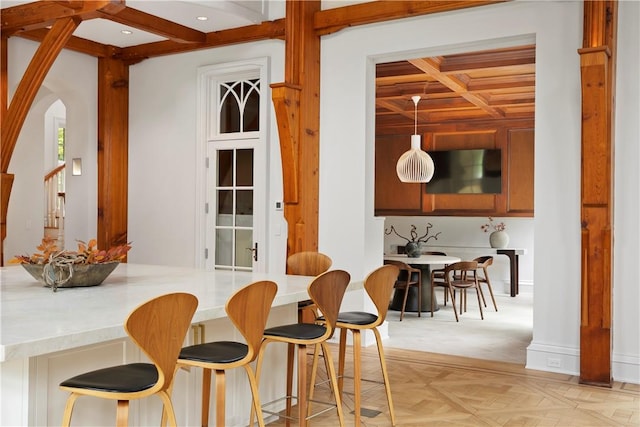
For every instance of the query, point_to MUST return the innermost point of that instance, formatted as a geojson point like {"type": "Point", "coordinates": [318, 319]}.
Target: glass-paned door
{"type": "Point", "coordinates": [234, 216]}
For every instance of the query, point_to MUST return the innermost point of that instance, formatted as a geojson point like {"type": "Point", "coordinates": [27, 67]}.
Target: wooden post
{"type": "Point", "coordinates": [113, 151]}
{"type": "Point", "coordinates": [597, 66]}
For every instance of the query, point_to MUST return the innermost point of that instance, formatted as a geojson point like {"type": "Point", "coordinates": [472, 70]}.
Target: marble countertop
{"type": "Point", "coordinates": [36, 320]}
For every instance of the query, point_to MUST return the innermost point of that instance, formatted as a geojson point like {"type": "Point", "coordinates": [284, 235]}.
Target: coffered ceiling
{"type": "Point", "coordinates": [467, 87]}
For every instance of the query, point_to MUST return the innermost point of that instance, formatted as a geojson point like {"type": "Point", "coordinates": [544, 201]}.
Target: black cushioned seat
{"type": "Point", "coordinates": [215, 352]}
{"type": "Point", "coordinates": [117, 379]}
{"type": "Point", "coordinates": [302, 331]}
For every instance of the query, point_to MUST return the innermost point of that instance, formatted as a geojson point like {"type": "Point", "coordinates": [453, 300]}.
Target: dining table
{"type": "Point", "coordinates": [424, 263]}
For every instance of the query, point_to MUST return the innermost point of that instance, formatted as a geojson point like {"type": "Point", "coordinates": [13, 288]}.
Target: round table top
{"type": "Point", "coordinates": [424, 259]}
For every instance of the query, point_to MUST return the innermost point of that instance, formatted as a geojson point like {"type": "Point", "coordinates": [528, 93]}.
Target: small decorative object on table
{"type": "Point", "coordinates": [88, 266]}
{"type": "Point", "coordinates": [498, 237]}
{"type": "Point", "coordinates": [412, 248]}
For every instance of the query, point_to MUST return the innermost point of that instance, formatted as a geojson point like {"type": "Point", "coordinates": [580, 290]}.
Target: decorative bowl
{"type": "Point", "coordinates": [79, 275]}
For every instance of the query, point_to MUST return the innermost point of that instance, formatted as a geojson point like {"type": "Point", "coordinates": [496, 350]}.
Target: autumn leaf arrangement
{"type": "Point", "coordinates": [87, 253]}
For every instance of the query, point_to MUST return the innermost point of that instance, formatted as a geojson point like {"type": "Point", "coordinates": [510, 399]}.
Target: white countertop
{"type": "Point", "coordinates": [36, 320]}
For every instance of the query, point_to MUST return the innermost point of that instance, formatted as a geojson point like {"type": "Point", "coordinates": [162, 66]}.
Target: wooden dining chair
{"type": "Point", "coordinates": [159, 328]}
{"type": "Point", "coordinates": [407, 277]}
{"type": "Point", "coordinates": [307, 263]}
{"type": "Point", "coordinates": [248, 309]}
{"type": "Point", "coordinates": [460, 276]}
{"type": "Point", "coordinates": [482, 275]}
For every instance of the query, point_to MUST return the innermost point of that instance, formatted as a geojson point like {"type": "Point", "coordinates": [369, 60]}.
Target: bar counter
{"type": "Point", "coordinates": [47, 335]}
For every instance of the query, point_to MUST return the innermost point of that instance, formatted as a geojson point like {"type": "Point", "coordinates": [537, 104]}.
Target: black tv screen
{"type": "Point", "coordinates": [466, 171]}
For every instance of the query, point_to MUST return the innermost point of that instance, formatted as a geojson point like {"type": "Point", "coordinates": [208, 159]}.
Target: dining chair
{"type": "Point", "coordinates": [483, 277]}
{"type": "Point", "coordinates": [459, 276]}
{"type": "Point", "coordinates": [307, 263]}
{"type": "Point", "coordinates": [248, 309]}
{"type": "Point", "coordinates": [378, 285]}
{"type": "Point", "coordinates": [438, 273]}
{"type": "Point", "coordinates": [326, 291]}
{"type": "Point", "coordinates": [158, 327]}
{"type": "Point", "coordinates": [407, 277]}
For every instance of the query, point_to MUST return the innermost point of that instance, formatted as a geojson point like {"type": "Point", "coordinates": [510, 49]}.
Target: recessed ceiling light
{"type": "Point", "coordinates": [127, 32]}
{"type": "Point", "coordinates": [202, 18]}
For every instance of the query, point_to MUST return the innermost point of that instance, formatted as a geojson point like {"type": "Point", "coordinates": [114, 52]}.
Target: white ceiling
{"type": "Point", "coordinates": [221, 14]}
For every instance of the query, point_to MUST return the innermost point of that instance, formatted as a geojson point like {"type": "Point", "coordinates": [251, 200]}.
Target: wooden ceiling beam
{"type": "Point", "coordinates": [77, 44]}
{"type": "Point", "coordinates": [155, 25]}
{"type": "Point", "coordinates": [431, 66]}
{"type": "Point", "coordinates": [331, 20]}
{"type": "Point", "coordinates": [42, 14]}
{"type": "Point", "coordinates": [264, 31]}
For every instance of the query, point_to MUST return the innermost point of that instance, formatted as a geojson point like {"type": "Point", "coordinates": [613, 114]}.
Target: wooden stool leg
{"type": "Point", "coordinates": [167, 408]}
{"type": "Point", "coordinates": [341, 356]}
{"type": "Point", "coordinates": [302, 385]}
{"type": "Point", "coordinates": [122, 413]}
{"type": "Point", "coordinates": [257, 376]}
{"type": "Point", "coordinates": [253, 384]}
{"type": "Point", "coordinates": [290, 356]}
{"type": "Point", "coordinates": [385, 375]}
{"type": "Point", "coordinates": [357, 375]}
{"type": "Point", "coordinates": [68, 409]}
{"type": "Point", "coordinates": [206, 395]}
{"type": "Point", "coordinates": [220, 391]}
{"type": "Point", "coordinates": [331, 373]}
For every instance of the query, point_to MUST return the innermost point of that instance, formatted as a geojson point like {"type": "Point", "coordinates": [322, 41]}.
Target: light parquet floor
{"type": "Point", "coordinates": [441, 390]}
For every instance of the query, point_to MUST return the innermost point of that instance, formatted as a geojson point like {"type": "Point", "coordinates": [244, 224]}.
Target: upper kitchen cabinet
{"type": "Point", "coordinates": [476, 119]}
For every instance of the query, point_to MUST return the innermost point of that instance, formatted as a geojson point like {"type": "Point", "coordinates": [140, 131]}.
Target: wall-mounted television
{"type": "Point", "coordinates": [477, 171]}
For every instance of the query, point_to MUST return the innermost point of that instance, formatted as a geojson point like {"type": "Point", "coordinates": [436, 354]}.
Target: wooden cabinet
{"type": "Point", "coordinates": [516, 144]}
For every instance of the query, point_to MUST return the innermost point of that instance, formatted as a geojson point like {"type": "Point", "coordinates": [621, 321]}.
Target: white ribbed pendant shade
{"type": "Point", "coordinates": [415, 165]}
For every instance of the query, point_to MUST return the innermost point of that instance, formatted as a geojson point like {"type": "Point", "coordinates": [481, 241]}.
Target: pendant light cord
{"type": "Point", "coordinates": [416, 99]}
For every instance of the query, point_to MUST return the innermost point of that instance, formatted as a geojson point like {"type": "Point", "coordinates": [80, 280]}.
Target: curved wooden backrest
{"type": "Point", "coordinates": [379, 285]}
{"type": "Point", "coordinates": [308, 263]}
{"type": "Point", "coordinates": [327, 291]}
{"type": "Point", "coordinates": [159, 327]}
{"type": "Point", "coordinates": [484, 261]}
{"type": "Point", "coordinates": [249, 310]}
{"type": "Point", "coordinates": [459, 269]}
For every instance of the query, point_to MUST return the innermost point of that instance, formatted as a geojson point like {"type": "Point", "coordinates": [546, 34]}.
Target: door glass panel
{"type": "Point", "coordinates": [230, 107]}
{"type": "Point", "coordinates": [244, 210]}
{"type": "Point", "coordinates": [244, 244]}
{"type": "Point", "coordinates": [251, 119]}
{"type": "Point", "coordinates": [225, 168]}
{"type": "Point", "coordinates": [224, 240]}
{"type": "Point", "coordinates": [225, 207]}
{"type": "Point", "coordinates": [245, 168]}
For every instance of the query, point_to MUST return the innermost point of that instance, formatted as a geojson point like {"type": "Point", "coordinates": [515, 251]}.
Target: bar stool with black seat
{"type": "Point", "coordinates": [407, 277]}
{"type": "Point", "coordinates": [378, 285]}
{"type": "Point", "coordinates": [307, 263]}
{"type": "Point", "coordinates": [158, 327]}
{"type": "Point", "coordinates": [483, 264]}
{"type": "Point", "coordinates": [326, 291]}
{"type": "Point", "coordinates": [248, 309]}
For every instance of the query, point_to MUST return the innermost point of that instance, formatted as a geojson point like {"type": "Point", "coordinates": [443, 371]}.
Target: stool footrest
{"type": "Point", "coordinates": [330, 406]}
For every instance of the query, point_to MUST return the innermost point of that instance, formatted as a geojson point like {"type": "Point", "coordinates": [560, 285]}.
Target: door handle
{"type": "Point", "coordinates": [254, 251]}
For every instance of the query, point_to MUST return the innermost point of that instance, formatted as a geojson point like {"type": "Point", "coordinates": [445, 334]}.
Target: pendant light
{"type": "Point", "coordinates": [415, 165]}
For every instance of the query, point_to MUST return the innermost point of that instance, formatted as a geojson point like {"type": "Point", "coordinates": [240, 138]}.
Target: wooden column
{"type": "Point", "coordinates": [297, 109]}
{"type": "Point", "coordinates": [597, 69]}
{"type": "Point", "coordinates": [113, 151]}
{"type": "Point", "coordinates": [14, 116]}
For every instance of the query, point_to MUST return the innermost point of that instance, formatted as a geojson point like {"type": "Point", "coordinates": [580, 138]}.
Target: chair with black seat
{"type": "Point", "coordinates": [378, 285]}
{"type": "Point", "coordinates": [407, 277]}
{"type": "Point", "coordinates": [158, 327]}
{"type": "Point", "coordinates": [307, 263]}
{"type": "Point", "coordinates": [326, 291]}
{"type": "Point", "coordinates": [460, 276]}
{"type": "Point", "coordinates": [248, 309]}
{"type": "Point", "coordinates": [483, 263]}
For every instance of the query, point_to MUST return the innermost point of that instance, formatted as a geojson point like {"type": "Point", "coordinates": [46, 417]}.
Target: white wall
{"type": "Point", "coordinates": [347, 141]}
{"type": "Point", "coordinates": [162, 134]}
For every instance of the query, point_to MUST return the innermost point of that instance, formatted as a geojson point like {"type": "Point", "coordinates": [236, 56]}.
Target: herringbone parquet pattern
{"type": "Point", "coordinates": [440, 390]}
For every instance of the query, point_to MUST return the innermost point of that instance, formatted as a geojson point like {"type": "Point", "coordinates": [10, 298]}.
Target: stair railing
{"type": "Point", "coordinates": [54, 193]}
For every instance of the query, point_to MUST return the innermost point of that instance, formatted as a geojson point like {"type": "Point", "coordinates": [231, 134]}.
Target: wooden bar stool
{"type": "Point", "coordinates": [159, 328]}
{"type": "Point", "coordinates": [307, 263]}
{"type": "Point", "coordinates": [378, 285]}
{"type": "Point", "coordinates": [248, 309]}
{"type": "Point", "coordinates": [326, 291]}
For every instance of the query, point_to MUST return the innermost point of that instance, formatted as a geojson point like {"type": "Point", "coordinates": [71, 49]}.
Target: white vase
{"type": "Point", "coordinates": [499, 239]}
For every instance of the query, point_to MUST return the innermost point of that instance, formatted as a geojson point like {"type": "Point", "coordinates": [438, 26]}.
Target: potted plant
{"type": "Point", "coordinates": [88, 266]}
{"type": "Point", "coordinates": [498, 237]}
{"type": "Point", "coordinates": [412, 248]}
